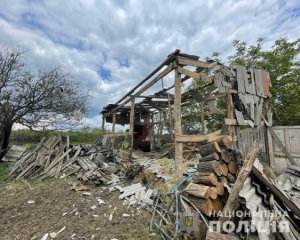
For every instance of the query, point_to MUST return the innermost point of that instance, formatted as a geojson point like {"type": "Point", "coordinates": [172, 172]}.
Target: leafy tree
{"type": "Point", "coordinates": [51, 98]}
{"type": "Point", "coordinates": [282, 62]}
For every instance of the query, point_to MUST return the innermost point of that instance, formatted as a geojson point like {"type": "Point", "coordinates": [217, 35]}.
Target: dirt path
{"type": "Point", "coordinates": [56, 206]}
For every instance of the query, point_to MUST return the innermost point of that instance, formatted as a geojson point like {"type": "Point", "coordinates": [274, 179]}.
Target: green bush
{"type": "Point", "coordinates": [28, 138]}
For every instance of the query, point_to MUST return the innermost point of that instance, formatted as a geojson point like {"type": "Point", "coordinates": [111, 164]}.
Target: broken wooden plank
{"type": "Point", "coordinates": [199, 138]}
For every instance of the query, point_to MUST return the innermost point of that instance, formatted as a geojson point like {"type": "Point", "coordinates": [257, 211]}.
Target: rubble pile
{"type": "Point", "coordinates": [51, 158]}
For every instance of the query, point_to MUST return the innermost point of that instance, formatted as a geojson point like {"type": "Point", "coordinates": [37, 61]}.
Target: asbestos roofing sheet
{"type": "Point", "coordinates": [241, 77]}
{"type": "Point", "coordinates": [239, 117]}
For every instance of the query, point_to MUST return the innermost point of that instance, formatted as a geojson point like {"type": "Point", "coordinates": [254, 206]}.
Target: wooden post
{"type": "Point", "coordinates": [270, 149]}
{"type": "Point", "coordinates": [170, 119]}
{"type": "Point", "coordinates": [131, 130]}
{"type": "Point", "coordinates": [103, 124]}
{"type": "Point", "coordinates": [160, 127]}
{"type": "Point", "coordinates": [178, 130]}
{"type": "Point", "coordinates": [202, 118]}
{"type": "Point", "coordinates": [152, 139]}
{"type": "Point", "coordinates": [113, 138]}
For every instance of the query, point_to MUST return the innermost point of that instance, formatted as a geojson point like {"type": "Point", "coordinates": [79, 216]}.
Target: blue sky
{"type": "Point", "coordinates": [111, 45]}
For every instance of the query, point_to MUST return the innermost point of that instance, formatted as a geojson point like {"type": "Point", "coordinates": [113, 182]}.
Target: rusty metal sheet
{"type": "Point", "coordinates": [266, 83]}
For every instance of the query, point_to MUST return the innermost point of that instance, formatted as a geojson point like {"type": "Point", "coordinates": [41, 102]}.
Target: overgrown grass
{"type": "Point", "coordinates": [4, 173]}
{"type": "Point", "coordinates": [29, 138]}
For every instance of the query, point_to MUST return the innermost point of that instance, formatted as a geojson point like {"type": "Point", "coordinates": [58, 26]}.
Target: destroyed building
{"type": "Point", "coordinates": [192, 182]}
{"type": "Point", "coordinates": [230, 173]}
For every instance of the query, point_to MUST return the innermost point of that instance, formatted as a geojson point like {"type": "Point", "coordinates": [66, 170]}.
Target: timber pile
{"type": "Point", "coordinates": [217, 167]}
{"type": "Point", "coordinates": [52, 158]}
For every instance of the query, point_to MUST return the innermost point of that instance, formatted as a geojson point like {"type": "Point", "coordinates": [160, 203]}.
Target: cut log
{"type": "Point", "coordinates": [226, 155]}
{"type": "Point", "coordinates": [206, 178]}
{"type": "Point", "coordinates": [232, 167]}
{"type": "Point", "coordinates": [217, 205]}
{"type": "Point", "coordinates": [224, 169]}
{"type": "Point", "coordinates": [230, 178]}
{"type": "Point", "coordinates": [233, 199]}
{"type": "Point", "coordinates": [207, 149]}
{"type": "Point", "coordinates": [212, 166]}
{"type": "Point", "coordinates": [224, 180]}
{"type": "Point", "coordinates": [220, 188]}
{"type": "Point", "coordinates": [225, 196]}
{"type": "Point", "coordinates": [220, 236]}
{"type": "Point", "coordinates": [204, 205]}
{"type": "Point", "coordinates": [213, 192]}
{"type": "Point", "coordinates": [217, 147]}
{"type": "Point", "coordinates": [199, 190]}
{"type": "Point", "coordinates": [210, 157]}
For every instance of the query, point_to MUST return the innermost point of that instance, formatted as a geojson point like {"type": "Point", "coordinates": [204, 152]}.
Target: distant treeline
{"type": "Point", "coordinates": [29, 137]}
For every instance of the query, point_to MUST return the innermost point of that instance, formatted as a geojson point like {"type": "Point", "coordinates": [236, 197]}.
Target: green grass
{"type": "Point", "coordinates": [4, 173]}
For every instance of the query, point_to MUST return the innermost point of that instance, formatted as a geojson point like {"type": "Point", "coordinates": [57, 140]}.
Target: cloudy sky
{"type": "Point", "coordinates": [111, 45]}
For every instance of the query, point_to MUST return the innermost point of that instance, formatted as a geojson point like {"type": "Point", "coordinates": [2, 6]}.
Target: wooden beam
{"type": "Point", "coordinates": [103, 124]}
{"type": "Point", "coordinates": [178, 130]}
{"type": "Point", "coordinates": [152, 138]}
{"type": "Point", "coordinates": [233, 198]}
{"type": "Point", "coordinates": [131, 130]}
{"type": "Point", "coordinates": [163, 73]}
{"type": "Point", "coordinates": [189, 73]}
{"type": "Point", "coordinates": [283, 148]}
{"type": "Point", "coordinates": [195, 63]}
{"type": "Point", "coordinates": [199, 138]}
{"type": "Point", "coordinates": [113, 138]}
{"type": "Point", "coordinates": [170, 119]}
{"type": "Point", "coordinates": [202, 118]}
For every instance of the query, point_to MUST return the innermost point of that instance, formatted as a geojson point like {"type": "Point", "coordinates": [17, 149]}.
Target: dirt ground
{"type": "Point", "coordinates": [29, 210]}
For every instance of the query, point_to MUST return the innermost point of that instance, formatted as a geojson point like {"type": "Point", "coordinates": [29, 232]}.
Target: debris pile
{"type": "Point", "coordinates": [53, 158]}
{"type": "Point", "coordinates": [136, 194]}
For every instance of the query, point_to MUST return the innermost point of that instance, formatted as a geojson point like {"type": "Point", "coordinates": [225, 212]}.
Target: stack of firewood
{"type": "Point", "coordinates": [217, 167]}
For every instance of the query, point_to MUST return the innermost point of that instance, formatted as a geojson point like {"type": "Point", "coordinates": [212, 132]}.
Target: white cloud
{"type": "Point", "coordinates": [85, 36]}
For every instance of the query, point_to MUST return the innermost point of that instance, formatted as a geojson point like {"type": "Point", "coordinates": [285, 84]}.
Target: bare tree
{"type": "Point", "coordinates": [51, 98]}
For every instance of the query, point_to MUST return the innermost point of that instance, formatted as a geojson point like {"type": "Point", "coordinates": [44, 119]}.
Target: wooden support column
{"type": "Point", "coordinates": [152, 139]}
{"type": "Point", "coordinates": [161, 125]}
{"type": "Point", "coordinates": [178, 130]}
{"type": "Point", "coordinates": [113, 138]}
{"type": "Point", "coordinates": [202, 117]}
{"type": "Point", "coordinates": [170, 119]}
{"type": "Point", "coordinates": [103, 124]}
{"type": "Point", "coordinates": [131, 130]}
